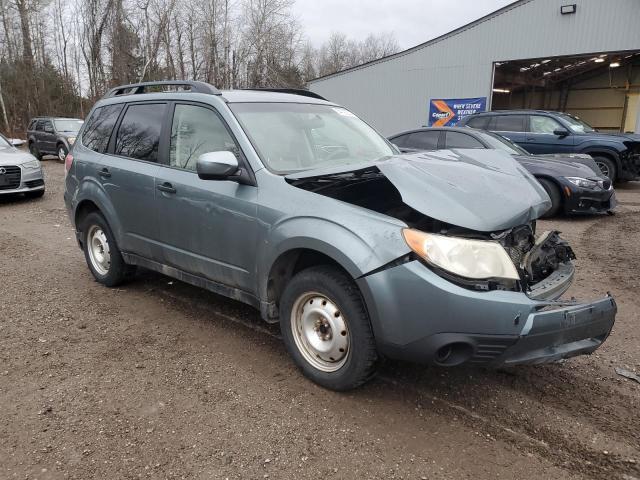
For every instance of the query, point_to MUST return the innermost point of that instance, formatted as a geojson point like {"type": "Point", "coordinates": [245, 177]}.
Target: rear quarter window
{"type": "Point", "coordinates": [508, 123]}
{"type": "Point", "coordinates": [478, 122]}
{"type": "Point", "coordinates": [97, 130]}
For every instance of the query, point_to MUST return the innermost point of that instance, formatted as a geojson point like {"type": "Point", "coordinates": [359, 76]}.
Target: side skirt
{"type": "Point", "coordinates": [215, 287]}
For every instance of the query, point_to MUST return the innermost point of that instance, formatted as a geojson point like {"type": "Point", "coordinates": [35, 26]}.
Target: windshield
{"type": "Point", "coordinates": [72, 126]}
{"type": "Point", "coordinates": [577, 125]}
{"type": "Point", "coordinates": [498, 142]}
{"type": "Point", "coordinates": [291, 137]}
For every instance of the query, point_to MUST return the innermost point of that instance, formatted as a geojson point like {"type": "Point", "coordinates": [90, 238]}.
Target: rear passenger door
{"type": "Point", "coordinates": [208, 227]}
{"type": "Point", "coordinates": [513, 127]}
{"type": "Point", "coordinates": [125, 166]}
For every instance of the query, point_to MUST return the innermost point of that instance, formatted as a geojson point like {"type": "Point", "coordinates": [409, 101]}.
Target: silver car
{"type": "Point", "coordinates": [294, 205]}
{"type": "Point", "coordinates": [20, 172]}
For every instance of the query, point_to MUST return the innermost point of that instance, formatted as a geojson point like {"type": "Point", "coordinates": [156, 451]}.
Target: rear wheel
{"type": "Point", "coordinates": [101, 252]}
{"type": "Point", "coordinates": [607, 167]}
{"type": "Point", "coordinates": [554, 194]}
{"type": "Point", "coordinates": [326, 328]}
{"type": "Point", "coordinates": [62, 152]}
{"type": "Point", "coordinates": [33, 150]}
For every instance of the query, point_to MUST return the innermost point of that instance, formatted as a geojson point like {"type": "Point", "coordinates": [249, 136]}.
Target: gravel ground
{"type": "Point", "coordinates": [159, 379]}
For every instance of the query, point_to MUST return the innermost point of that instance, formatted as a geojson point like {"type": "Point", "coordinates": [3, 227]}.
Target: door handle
{"type": "Point", "coordinates": [104, 173]}
{"type": "Point", "coordinates": [530, 139]}
{"type": "Point", "coordinates": [166, 187]}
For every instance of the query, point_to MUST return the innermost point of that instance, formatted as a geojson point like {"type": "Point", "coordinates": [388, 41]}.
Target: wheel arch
{"type": "Point", "coordinates": [93, 199]}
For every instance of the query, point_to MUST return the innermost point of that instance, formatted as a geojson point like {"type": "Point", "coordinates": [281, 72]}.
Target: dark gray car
{"type": "Point", "coordinates": [52, 136]}
{"type": "Point", "coordinates": [294, 205]}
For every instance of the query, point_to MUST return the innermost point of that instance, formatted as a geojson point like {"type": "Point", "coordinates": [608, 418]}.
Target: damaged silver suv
{"type": "Point", "coordinates": [294, 205]}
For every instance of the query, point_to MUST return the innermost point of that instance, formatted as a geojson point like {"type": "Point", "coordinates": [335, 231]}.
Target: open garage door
{"type": "Point", "coordinates": [603, 89]}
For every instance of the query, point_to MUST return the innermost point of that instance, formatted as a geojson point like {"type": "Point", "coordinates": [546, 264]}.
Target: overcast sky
{"type": "Point", "coordinates": [412, 21]}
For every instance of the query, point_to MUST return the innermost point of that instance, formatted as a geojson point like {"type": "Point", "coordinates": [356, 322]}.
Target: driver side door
{"type": "Point", "coordinates": [207, 228]}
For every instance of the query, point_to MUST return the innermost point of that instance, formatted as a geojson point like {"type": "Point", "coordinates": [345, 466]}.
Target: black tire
{"type": "Point", "coordinates": [607, 167]}
{"type": "Point", "coordinates": [60, 149]}
{"type": "Point", "coordinates": [36, 194]}
{"type": "Point", "coordinates": [359, 363]}
{"type": "Point", "coordinates": [554, 194]}
{"type": "Point", "coordinates": [33, 150]}
{"type": "Point", "coordinates": [117, 271]}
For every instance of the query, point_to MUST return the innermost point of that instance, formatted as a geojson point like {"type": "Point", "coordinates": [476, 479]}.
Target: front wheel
{"type": "Point", "coordinates": [326, 329]}
{"type": "Point", "coordinates": [554, 194]}
{"type": "Point", "coordinates": [101, 252]}
{"type": "Point", "coordinates": [607, 167]}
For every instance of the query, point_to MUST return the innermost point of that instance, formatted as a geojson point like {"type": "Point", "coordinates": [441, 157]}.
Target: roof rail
{"type": "Point", "coordinates": [293, 91]}
{"type": "Point", "coordinates": [139, 88]}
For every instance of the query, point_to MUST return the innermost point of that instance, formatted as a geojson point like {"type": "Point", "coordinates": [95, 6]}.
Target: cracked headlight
{"type": "Point", "coordinates": [32, 165]}
{"type": "Point", "coordinates": [71, 140]}
{"type": "Point", "coordinates": [583, 182]}
{"type": "Point", "coordinates": [473, 259]}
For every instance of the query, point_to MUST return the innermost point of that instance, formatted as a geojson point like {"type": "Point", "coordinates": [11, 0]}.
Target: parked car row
{"type": "Point", "coordinates": [292, 204]}
{"type": "Point", "coordinates": [541, 131]}
{"type": "Point", "coordinates": [574, 183]}
{"type": "Point", "coordinates": [21, 172]}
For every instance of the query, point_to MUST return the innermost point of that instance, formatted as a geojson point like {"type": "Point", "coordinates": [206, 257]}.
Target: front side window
{"type": "Point", "coordinates": [40, 126]}
{"type": "Point", "coordinates": [139, 133]}
{"type": "Point", "coordinates": [294, 136]}
{"type": "Point", "coordinates": [194, 131]}
{"type": "Point", "coordinates": [461, 140]}
{"type": "Point", "coordinates": [508, 123]}
{"type": "Point", "coordinates": [98, 130]}
{"type": "Point", "coordinates": [542, 124]}
{"type": "Point", "coordinates": [47, 126]}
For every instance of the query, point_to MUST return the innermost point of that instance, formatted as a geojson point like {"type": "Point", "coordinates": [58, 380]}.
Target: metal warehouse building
{"type": "Point", "coordinates": [580, 56]}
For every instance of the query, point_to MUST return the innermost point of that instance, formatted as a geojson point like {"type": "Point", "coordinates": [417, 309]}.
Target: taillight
{"type": "Point", "coordinates": [68, 162]}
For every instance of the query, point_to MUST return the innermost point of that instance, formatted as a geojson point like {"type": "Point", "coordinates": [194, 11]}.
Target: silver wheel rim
{"type": "Point", "coordinates": [99, 250]}
{"type": "Point", "coordinates": [320, 332]}
{"type": "Point", "coordinates": [604, 168]}
{"type": "Point", "coordinates": [61, 154]}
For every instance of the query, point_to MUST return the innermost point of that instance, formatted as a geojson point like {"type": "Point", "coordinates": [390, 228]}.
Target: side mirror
{"type": "Point", "coordinates": [217, 165]}
{"type": "Point", "coordinates": [16, 142]}
{"type": "Point", "coordinates": [560, 132]}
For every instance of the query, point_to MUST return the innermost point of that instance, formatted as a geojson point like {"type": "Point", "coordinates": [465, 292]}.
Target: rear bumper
{"type": "Point", "coordinates": [417, 315]}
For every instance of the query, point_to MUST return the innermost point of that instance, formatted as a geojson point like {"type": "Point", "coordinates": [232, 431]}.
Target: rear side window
{"type": "Point", "coordinates": [461, 140]}
{"type": "Point", "coordinates": [478, 122]}
{"type": "Point", "coordinates": [139, 133]}
{"type": "Point", "coordinates": [423, 140]}
{"type": "Point", "coordinates": [508, 123]}
{"type": "Point", "coordinates": [40, 125]}
{"type": "Point", "coordinates": [97, 130]}
{"type": "Point", "coordinates": [400, 141]}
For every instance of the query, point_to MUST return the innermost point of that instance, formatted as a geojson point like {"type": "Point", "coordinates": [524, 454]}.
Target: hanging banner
{"type": "Point", "coordinates": [447, 112]}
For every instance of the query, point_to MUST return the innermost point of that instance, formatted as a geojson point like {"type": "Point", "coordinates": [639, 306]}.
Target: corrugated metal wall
{"type": "Point", "coordinates": [394, 94]}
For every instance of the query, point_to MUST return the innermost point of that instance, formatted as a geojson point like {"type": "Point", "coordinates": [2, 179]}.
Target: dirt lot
{"type": "Point", "coordinates": [162, 380]}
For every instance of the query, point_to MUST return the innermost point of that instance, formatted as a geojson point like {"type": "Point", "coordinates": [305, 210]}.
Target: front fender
{"type": "Point", "coordinates": [357, 252]}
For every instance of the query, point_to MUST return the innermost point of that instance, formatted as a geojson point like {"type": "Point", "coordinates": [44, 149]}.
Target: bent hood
{"type": "Point", "coordinates": [483, 190]}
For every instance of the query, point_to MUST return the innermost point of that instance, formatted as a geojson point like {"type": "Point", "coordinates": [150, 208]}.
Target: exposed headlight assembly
{"type": "Point", "coordinates": [32, 165]}
{"type": "Point", "coordinates": [583, 182]}
{"type": "Point", "coordinates": [467, 258]}
{"type": "Point", "coordinates": [71, 140]}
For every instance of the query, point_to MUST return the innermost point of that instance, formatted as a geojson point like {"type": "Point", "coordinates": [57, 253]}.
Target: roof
{"type": "Point", "coordinates": [513, 112]}
{"type": "Point", "coordinates": [259, 96]}
{"type": "Point", "coordinates": [428, 43]}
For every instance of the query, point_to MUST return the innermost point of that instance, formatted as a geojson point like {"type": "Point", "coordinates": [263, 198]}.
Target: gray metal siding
{"type": "Point", "coordinates": [393, 94]}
